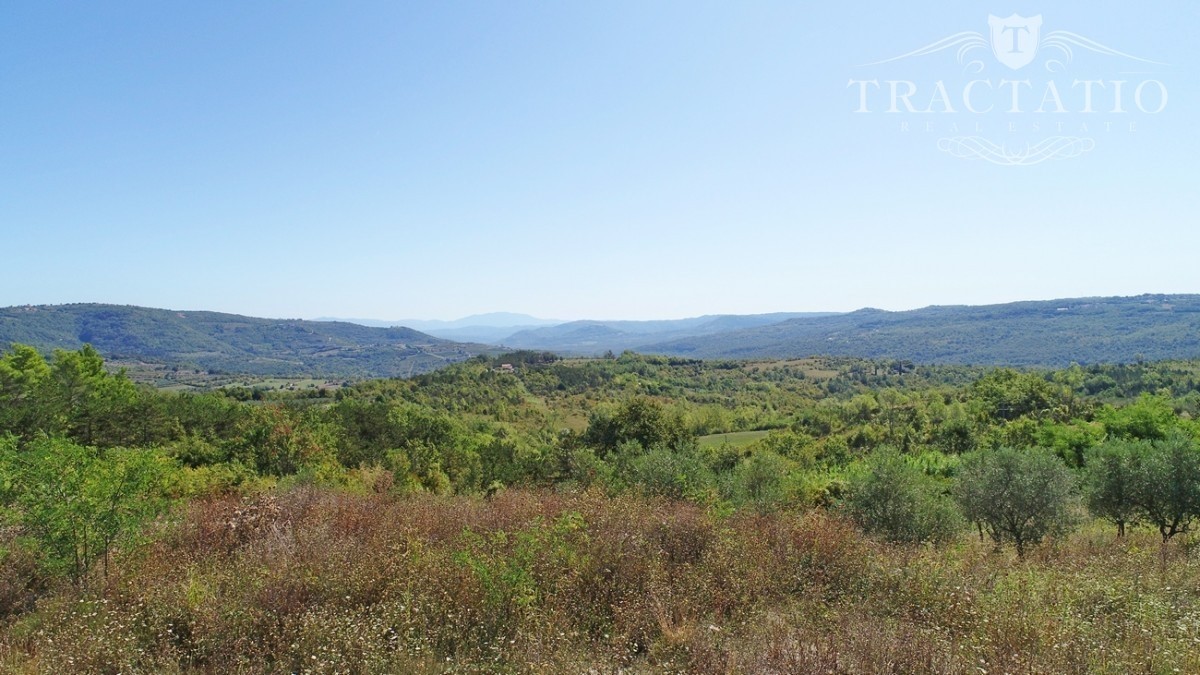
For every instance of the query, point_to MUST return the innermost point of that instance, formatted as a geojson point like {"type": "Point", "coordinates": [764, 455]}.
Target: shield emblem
{"type": "Point", "coordinates": [1015, 39]}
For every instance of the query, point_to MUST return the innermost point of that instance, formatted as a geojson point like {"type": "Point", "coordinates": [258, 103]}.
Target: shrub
{"type": "Point", "coordinates": [76, 502]}
{"type": "Point", "coordinates": [676, 475]}
{"type": "Point", "coordinates": [894, 499]}
{"type": "Point", "coordinates": [761, 481]}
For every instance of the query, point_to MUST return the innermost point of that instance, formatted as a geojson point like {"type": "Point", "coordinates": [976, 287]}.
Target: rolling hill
{"type": "Point", "coordinates": [1043, 333]}
{"type": "Point", "coordinates": [231, 343]}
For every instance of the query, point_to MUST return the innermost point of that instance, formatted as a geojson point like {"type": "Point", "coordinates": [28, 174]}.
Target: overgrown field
{"type": "Point", "coordinates": [571, 516]}
{"type": "Point", "coordinates": [310, 580]}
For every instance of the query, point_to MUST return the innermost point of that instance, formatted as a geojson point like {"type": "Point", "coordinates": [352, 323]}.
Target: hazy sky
{"type": "Point", "coordinates": [589, 159]}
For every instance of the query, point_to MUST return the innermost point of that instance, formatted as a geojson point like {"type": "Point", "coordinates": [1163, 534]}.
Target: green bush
{"type": "Point", "coordinates": [894, 499]}
{"type": "Point", "coordinates": [763, 481]}
{"type": "Point", "coordinates": [77, 502]}
{"type": "Point", "coordinates": [675, 475]}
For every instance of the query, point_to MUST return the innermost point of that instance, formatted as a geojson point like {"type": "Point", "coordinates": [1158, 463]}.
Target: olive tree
{"type": "Point", "coordinates": [1167, 487]}
{"type": "Point", "coordinates": [1111, 481]}
{"type": "Point", "coordinates": [1018, 496]}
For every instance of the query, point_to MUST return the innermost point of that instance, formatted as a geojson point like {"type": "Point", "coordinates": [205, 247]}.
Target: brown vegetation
{"type": "Point", "coordinates": [321, 581]}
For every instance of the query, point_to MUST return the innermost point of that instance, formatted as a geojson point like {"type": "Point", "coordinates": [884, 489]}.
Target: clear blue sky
{"type": "Point", "coordinates": [571, 159]}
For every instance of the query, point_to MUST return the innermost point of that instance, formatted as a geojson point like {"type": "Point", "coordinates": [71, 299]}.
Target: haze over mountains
{"type": "Point", "coordinates": [491, 328]}
{"type": "Point", "coordinates": [1041, 333]}
{"type": "Point", "coordinates": [586, 337]}
{"type": "Point", "coordinates": [595, 337]}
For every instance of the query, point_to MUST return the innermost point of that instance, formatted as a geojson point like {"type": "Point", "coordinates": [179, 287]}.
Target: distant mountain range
{"type": "Point", "coordinates": [588, 337]}
{"type": "Point", "coordinates": [489, 328]}
{"type": "Point", "coordinates": [1043, 333]}
{"type": "Point", "coordinates": [597, 337]}
{"type": "Point", "coordinates": [231, 343]}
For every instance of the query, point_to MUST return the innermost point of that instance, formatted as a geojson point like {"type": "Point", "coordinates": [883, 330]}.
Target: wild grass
{"type": "Point", "coordinates": [319, 581]}
{"type": "Point", "coordinates": [736, 439]}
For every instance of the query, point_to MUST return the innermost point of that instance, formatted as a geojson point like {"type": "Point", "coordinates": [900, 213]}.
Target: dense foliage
{"type": "Point", "coordinates": [527, 512]}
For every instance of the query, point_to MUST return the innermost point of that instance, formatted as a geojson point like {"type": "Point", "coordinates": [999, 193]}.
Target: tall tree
{"type": "Point", "coordinates": [22, 372]}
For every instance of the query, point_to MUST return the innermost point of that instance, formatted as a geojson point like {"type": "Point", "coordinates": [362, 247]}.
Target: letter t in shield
{"type": "Point", "coordinates": [1015, 39]}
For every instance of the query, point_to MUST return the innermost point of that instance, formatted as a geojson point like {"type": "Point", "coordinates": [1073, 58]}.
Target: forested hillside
{"type": "Point", "coordinates": [526, 513]}
{"type": "Point", "coordinates": [231, 343]}
{"type": "Point", "coordinates": [1045, 333]}
{"type": "Point", "coordinates": [1053, 333]}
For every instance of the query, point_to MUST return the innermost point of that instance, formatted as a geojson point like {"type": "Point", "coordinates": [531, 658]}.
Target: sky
{"type": "Point", "coordinates": [606, 160]}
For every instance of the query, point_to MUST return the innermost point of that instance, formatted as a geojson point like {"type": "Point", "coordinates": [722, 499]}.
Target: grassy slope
{"type": "Point", "coordinates": [736, 439]}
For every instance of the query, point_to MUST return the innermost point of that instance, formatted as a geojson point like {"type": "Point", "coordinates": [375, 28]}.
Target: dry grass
{"type": "Point", "coordinates": [323, 582]}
